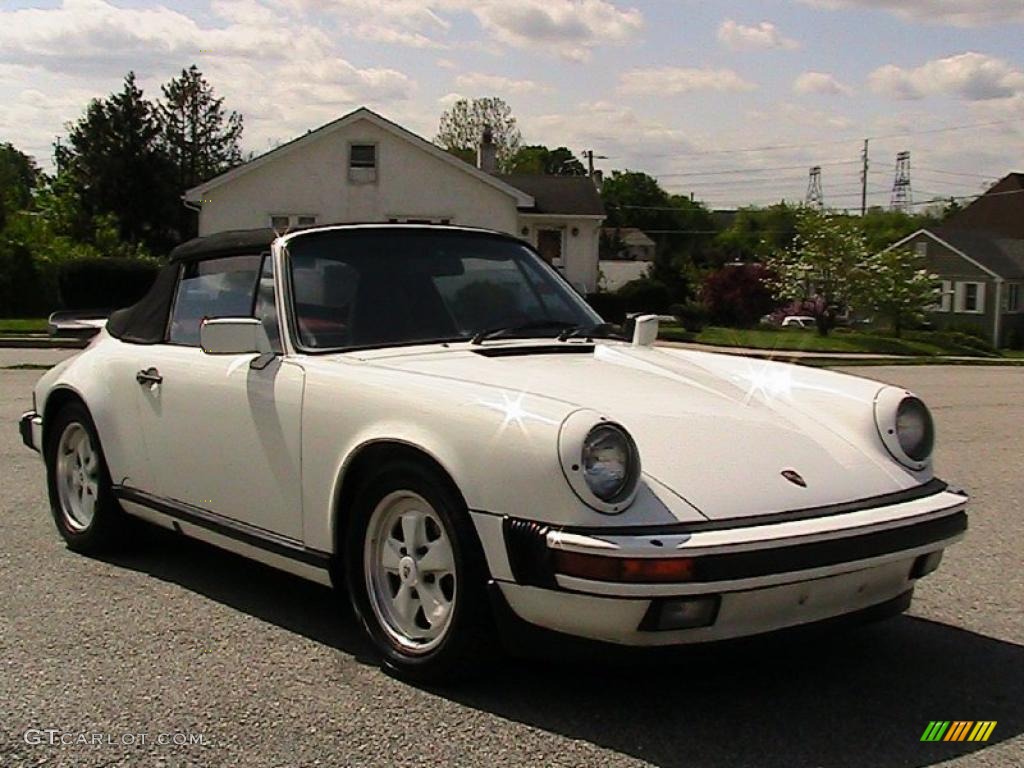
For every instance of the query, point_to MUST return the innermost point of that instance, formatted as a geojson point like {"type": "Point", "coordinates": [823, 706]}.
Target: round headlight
{"type": "Point", "coordinates": [609, 462]}
{"type": "Point", "coordinates": [914, 429]}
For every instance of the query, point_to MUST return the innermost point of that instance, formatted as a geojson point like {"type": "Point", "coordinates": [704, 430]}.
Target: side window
{"type": "Point", "coordinates": [266, 306]}
{"type": "Point", "coordinates": [212, 288]}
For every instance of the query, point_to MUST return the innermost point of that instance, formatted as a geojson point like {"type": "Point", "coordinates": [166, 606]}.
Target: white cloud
{"type": "Point", "coordinates": [959, 13]}
{"type": "Point", "coordinates": [673, 80]}
{"type": "Point", "coordinates": [483, 83]}
{"type": "Point", "coordinates": [283, 77]}
{"type": "Point", "coordinates": [970, 76]}
{"type": "Point", "coordinates": [820, 83]}
{"type": "Point", "coordinates": [763, 36]}
{"type": "Point", "coordinates": [381, 33]}
{"type": "Point", "coordinates": [569, 28]}
{"type": "Point", "coordinates": [449, 99]}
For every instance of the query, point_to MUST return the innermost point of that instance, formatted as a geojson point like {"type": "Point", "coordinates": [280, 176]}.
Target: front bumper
{"type": "Point", "coordinates": [760, 577]}
{"type": "Point", "coordinates": [31, 428]}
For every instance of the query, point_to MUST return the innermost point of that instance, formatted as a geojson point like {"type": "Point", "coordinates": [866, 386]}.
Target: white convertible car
{"type": "Point", "coordinates": [433, 418]}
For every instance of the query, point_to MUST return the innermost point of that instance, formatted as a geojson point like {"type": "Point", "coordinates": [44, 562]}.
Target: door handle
{"type": "Point", "coordinates": [149, 376]}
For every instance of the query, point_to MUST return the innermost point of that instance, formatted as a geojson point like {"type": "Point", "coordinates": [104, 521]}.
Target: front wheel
{"type": "Point", "coordinates": [87, 515]}
{"type": "Point", "coordinates": [416, 575]}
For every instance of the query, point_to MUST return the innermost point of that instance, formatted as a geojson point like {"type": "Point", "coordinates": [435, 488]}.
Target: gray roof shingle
{"type": "Point", "coordinates": [1004, 256]}
{"type": "Point", "coordinates": [563, 195]}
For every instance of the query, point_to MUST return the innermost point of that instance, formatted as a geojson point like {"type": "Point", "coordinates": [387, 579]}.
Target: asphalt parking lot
{"type": "Point", "coordinates": [176, 641]}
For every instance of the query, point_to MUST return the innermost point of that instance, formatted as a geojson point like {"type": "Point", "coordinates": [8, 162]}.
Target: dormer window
{"type": "Point", "coordinates": [362, 163]}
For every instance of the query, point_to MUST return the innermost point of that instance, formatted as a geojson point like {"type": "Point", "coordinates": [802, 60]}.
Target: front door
{"type": "Point", "coordinates": [549, 246]}
{"type": "Point", "coordinates": [222, 436]}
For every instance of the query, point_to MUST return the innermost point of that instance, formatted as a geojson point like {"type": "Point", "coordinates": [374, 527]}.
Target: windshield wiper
{"type": "Point", "coordinates": [599, 331]}
{"type": "Point", "coordinates": [534, 325]}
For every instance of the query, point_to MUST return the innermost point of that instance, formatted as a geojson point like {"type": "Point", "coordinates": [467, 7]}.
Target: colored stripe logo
{"type": "Point", "coordinates": [958, 730]}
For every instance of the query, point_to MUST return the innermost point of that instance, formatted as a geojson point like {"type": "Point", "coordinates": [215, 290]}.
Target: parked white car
{"type": "Point", "coordinates": [431, 417]}
{"type": "Point", "coordinates": [799, 321]}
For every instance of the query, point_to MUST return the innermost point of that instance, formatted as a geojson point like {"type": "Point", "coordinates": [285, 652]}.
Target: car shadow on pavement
{"type": "Point", "coordinates": [861, 696]}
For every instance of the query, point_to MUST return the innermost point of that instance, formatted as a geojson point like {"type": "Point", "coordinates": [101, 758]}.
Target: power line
{"type": "Point", "coordinates": [802, 145]}
{"type": "Point", "coordinates": [753, 170]}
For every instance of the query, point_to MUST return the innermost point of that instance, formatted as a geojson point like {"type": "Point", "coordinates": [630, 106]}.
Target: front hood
{"type": "Point", "coordinates": [716, 430]}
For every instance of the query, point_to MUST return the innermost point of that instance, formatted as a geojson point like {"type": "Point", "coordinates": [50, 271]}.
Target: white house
{"type": "Point", "coordinates": [365, 168]}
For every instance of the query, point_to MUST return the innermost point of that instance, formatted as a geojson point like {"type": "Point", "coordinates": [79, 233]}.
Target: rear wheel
{"type": "Point", "coordinates": [416, 575]}
{"type": "Point", "coordinates": [87, 515]}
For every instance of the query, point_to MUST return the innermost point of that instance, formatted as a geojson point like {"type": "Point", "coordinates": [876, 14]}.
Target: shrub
{"type": "Point", "coordinates": [608, 306]}
{"type": "Point", "coordinates": [1015, 339]}
{"type": "Point", "coordinates": [738, 295]}
{"type": "Point", "coordinates": [23, 290]}
{"type": "Point", "coordinates": [645, 295]}
{"type": "Point", "coordinates": [693, 316]}
{"type": "Point", "coordinates": [105, 283]}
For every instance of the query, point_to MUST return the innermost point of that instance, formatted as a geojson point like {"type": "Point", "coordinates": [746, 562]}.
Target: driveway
{"type": "Point", "coordinates": [179, 640]}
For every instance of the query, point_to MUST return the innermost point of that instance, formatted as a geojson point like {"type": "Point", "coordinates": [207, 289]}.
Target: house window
{"type": "Point", "coordinates": [946, 296]}
{"type": "Point", "coordinates": [1012, 297]}
{"type": "Point", "coordinates": [549, 245]}
{"type": "Point", "coordinates": [282, 222]}
{"type": "Point", "coordinates": [362, 163]}
{"type": "Point", "coordinates": [921, 249]}
{"type": "Point", "coordinates": [419, 220]}
{"type": "Point", "coordinates": [970, 298]}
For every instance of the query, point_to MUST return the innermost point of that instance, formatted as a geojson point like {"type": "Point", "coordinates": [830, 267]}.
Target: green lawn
{"type": "Point", "coordinates": [916, 344]}
{"type": "Point", "coordinates": [23, 325]}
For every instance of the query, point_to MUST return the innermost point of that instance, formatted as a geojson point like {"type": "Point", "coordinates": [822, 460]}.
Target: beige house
{"type": "Point", "coordinates": [365, 168]}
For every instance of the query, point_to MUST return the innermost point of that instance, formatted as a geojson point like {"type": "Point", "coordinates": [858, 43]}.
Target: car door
{"type": "Point", "coordinates": [222, 436]}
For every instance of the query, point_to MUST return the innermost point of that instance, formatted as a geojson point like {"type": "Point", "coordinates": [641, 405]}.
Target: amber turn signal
{"type": "Point", "coordinates": [640, 570]}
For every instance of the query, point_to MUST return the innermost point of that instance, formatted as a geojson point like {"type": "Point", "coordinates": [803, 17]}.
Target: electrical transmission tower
{"type": "Point", "coordinates": [815, 197]}
{"type": "Point", "coordinates": [902, 198]}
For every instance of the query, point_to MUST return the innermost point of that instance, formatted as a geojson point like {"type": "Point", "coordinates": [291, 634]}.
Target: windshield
{"type": "Point", "coordinates": [374, 287]}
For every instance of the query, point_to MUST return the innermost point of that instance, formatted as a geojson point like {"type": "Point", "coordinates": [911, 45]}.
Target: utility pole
{"type": "Point", "coordinates": [591, 157]}
{"type": "Point", "coordinates": [815, 197]}
{"type": "Point", "coordinates": [902, 197]}
{"type": "Point", "coordinates": [864, 180]}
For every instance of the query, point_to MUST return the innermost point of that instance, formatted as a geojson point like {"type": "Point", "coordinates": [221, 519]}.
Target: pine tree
{"type": "Point", "coordinates": [200, 138]}
{"type": "Point", "coordinates": [117, 166]}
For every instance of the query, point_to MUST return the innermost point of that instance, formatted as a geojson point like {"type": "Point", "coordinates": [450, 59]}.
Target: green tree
{"type": "Point", "coordinates": [756, 233]}
{"type": "Point", "coordinates": [200, 138]}
{"type": "Point", "coordinates": [823, 268]}
{"type": "Point", "coordinates": [462, 126]}
{"type": "Point", "coordinates": [898, 286]}
{"type": "Point", "coordinates": [117, 165]}
{"type": "Point", "coordinates": [682, 229]}
{"type": "Point", "coordinates": [19, 176]}
{"type": "Point", "coordinates": [882, 228]}
{"type": "Point", "coordinates": [538, 160]}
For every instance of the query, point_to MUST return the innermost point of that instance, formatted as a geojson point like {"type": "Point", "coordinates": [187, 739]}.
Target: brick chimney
{"type": "Point", "coordinates": [487, 152]}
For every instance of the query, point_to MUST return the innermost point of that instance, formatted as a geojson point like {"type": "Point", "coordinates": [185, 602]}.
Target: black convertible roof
{"type": "Point", "coordinates": [247, 241]}
{"type": "Point", "coordinates": [225, 243]}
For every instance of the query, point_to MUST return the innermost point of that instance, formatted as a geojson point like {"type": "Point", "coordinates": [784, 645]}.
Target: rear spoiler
{"type": "Point", "coordinates": [77, 324]}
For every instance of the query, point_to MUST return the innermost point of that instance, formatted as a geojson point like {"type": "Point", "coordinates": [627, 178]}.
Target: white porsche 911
{"type": "Point", "coordinates": [433, 418]}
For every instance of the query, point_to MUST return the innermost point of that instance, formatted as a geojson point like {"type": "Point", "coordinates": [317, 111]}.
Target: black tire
{"type": "Point", "coordinates": [105, 531]}
{"type": "Point", "coordinates": [468, 642]}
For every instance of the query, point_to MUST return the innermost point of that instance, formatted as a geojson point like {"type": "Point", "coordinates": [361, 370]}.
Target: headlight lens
{"type": "Point", "coordinates": [609, 462]}
{"type": "Point", "coordinates": [914, 429]}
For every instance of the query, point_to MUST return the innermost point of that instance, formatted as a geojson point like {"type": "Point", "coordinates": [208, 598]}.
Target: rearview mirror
{"type": "Point", "coordinates": [236, 336]}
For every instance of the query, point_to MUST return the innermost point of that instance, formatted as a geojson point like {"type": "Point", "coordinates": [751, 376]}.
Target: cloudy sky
{"type": "Point", "coordinates": [730, 100]}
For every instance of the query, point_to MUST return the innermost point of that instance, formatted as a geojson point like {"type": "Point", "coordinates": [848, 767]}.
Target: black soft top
{"type": "Point", "coordinates": [146, 321]}
{"type": "Point", "coordinates": [233, 243]}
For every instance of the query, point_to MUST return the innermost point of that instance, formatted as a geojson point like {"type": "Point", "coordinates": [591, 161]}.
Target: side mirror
{"type": "Point", "coordinates": [645, 330]}
{"type": "Point", "coordinates": [236, 336]}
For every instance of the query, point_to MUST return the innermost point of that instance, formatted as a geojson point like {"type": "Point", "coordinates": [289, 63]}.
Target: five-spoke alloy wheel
{"type": "Point", "coordinates": [415, 573]}
{"type": "Point", "coordinates": [81, 497]}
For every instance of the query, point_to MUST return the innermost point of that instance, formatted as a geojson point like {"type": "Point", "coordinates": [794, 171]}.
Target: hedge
{"type": "Point", "coordinates": [105, 283]}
